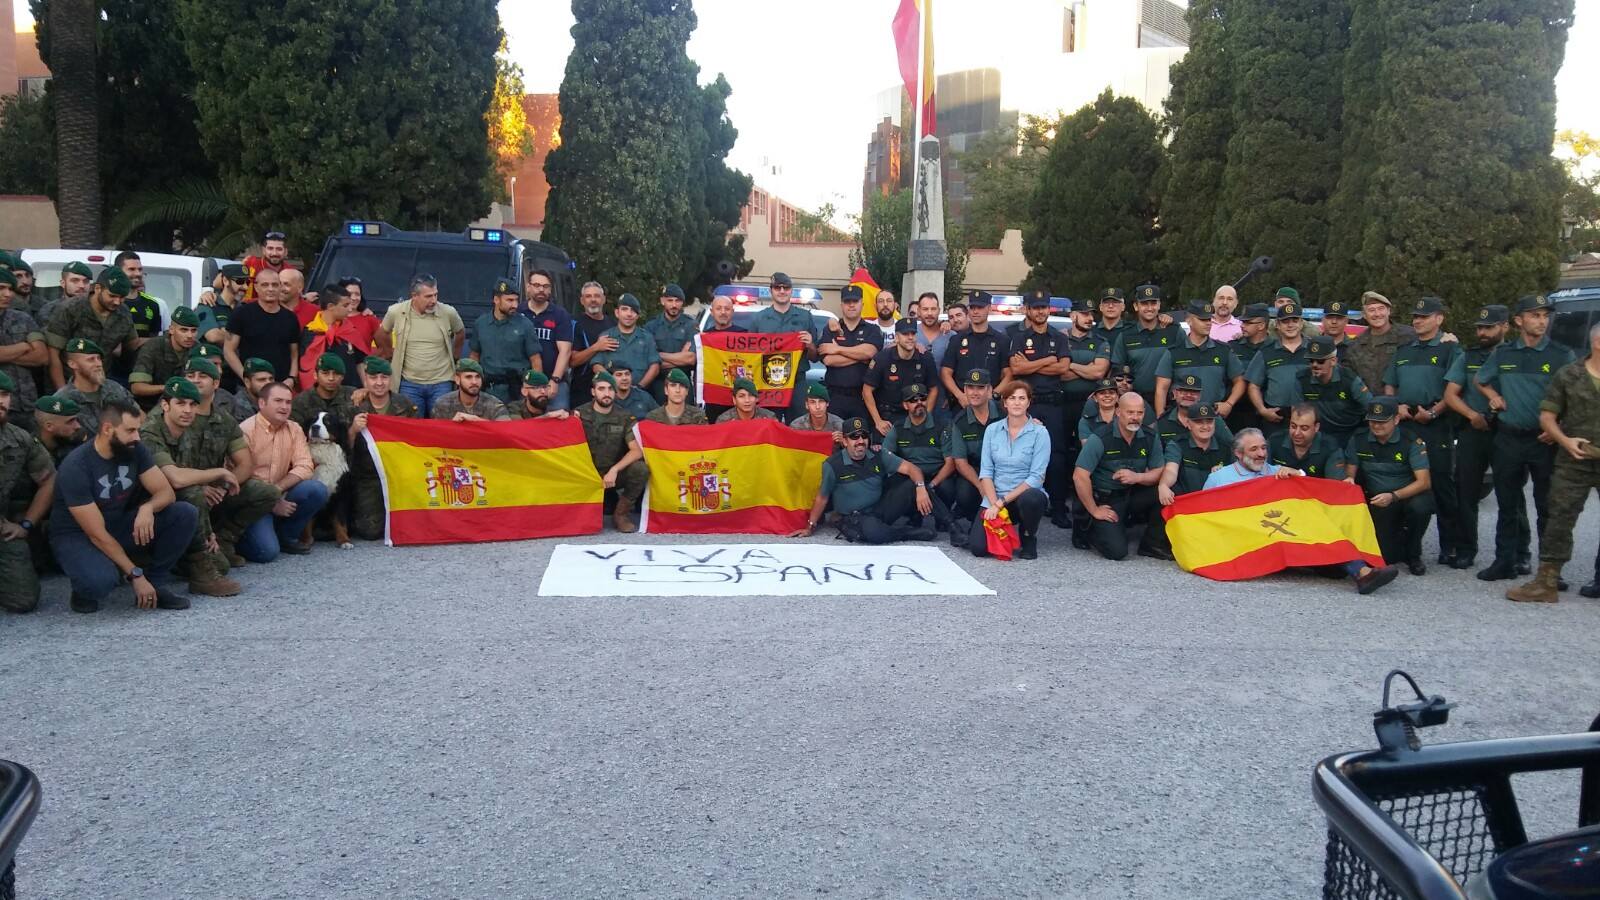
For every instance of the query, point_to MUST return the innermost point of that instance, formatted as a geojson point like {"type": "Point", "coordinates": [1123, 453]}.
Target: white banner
{"type": "Point", "coordinates": [752, 570]}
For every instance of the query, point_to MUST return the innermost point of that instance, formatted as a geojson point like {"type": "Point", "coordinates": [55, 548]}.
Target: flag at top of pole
{"type": "Point", "coordinates": [913, 39]}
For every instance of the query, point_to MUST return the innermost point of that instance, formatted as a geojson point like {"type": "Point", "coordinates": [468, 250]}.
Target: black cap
{"type": "Point", "coordinates": [1382, 409]}
{"type": "Point", "coordinates": [905, 326]}
{"type": "Point", "coordinates": [1036, 299]}
{"type": "Point", "coordinates": [1288, 311]}
{"type": "Point", "coordinates": [851, 293]}
{"type": "Point", "coordinates": [914, 391]}
{"type": "Point", "coordinates": [1532, 302]}
{"type": "Point", "coordinates": [1337, 308]}
{"type": "Point", "coordinates": [1254, 311]}
{"type": "Point", "coordinates": [1123, 371]}
{"type": "Point", "coordinates": [1189, 382]}
{"type": "Point", "coordinates": [976, 378]}
{"type": "Point", "coordinates": [979, 298]}
{"type": "Point", "coordinates": [1111, 294]}
{"type": "Point", "coordinates": [1493, 314]}
{"type": "Point", "coordinates": [503, 288]}
{"type": "Point", "coordinates": [1200, 309]}
{"type": "Point", "coordinates": [1200, 411]}
{"type": "Point", "coordinates": [1083, 304]}
{"type": "Point", "coordinates": [1427, 306]}
{"type": "Point", "coordinates": [781, 280]}
{"type": "Point", "coordinates": [1146, 292]}
{"type": "Point", "coordinates": [856, 425]}
{"type": "Point", "coordinates": [1320, 348]}
{"type": "Point", "coordinates": [1104, 384]}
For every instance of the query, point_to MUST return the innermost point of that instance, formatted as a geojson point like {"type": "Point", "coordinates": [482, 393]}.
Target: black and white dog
{"type": "Point", "coordinates": [332, 466]}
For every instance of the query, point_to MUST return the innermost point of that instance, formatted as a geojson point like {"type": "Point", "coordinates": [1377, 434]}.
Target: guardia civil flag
{"type": "Point", "coordinates": [465, 482]}
{"type": "Point", "coordinates": [756, 477]}
{"type": "Point", "coordinates": [772, 361]}
{"type": "Point", "coordinates": [1257, 527]}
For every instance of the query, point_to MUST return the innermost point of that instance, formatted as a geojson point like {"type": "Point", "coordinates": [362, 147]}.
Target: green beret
{"type": "Point", "coordinates": [84, 345]}
{"type": "Point", "coordinates": [377, 365]}
{"type": "Point", "coordinates": [181, 389]}
{"type": "Point", "coordinates": [6, 278]}
{"type": "Point", "coordinates": [18, 264]}
{"type": "Point", "coordinates": [332, 362]}
{"type": "Point", "coordinates": [256, 364]}
{"type": "Point", "coordinates": [77, 268]}
{"type": "Point", "coordinates": [468, 365]}
{"type": "Point", "coordinates": [679, 376]}
{"type": "Point", "coordinates": [6, 384]}
{"type": "Point", "coordinates": [745, 384]}
{"type": "Point", "coordinates": [8, 259]}
{"type": "Point", "coordinates": [115, 282]}
{"type": "Point", "coordinates": [185, 316]}
{"type": "Point", "coordinates": [535, 378]}
{"type": "Point", "coordinates": [817, 391]}
{"type": "Point", "coordinates": [628, 300]}
{"type": "Point", "coordinates": [605, 378]}
{"type": "Point", "coordinates": [204, 366]}
{"type": "Point", "coordinates": [618, 365]}
{"type": "Point", "coordinates": [206, 351]}
{"type": "Point", "coordinates": [54, 405]}
{"type": "Point", "coordinates": [1290, 293]}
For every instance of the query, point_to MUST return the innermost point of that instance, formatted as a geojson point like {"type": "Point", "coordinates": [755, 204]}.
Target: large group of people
{"type": "Point", "coordinates": [139, 450]}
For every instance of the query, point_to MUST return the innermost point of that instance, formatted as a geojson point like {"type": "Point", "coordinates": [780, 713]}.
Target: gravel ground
{"type": "Point", "coordinates": [418, 723]}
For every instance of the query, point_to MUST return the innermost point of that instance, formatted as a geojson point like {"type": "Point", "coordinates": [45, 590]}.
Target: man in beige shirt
{"type": "Point", "coordinates": [422, 338]}
{"type": "Point", "coordinates": [282, 459]}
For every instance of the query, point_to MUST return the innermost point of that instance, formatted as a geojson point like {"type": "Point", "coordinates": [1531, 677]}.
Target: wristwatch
{"type": "Point", "coordinates": [135, 572]}
{"type": "Point", "coordinates": [26, 524]}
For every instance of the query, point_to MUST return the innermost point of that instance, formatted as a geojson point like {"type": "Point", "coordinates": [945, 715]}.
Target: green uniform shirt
{"type": "Point", "coordinates": [487, 406]}
{"type": "Point", "coordinates": [1194, 464]}
{"type": "Point", "coordinates": [1105, 452]}
{"type": "Point", "coordinates": [692, 415]}
{"type": "Point", "coordinates": [1386, 466]}
{"type": "Point", "coordinates": [1369, 354]}
{"type": "Point", "coordinates": [1090, 422]}
{"type": "Point", "coordinates": [89, 404]}
{"type": "Point", "coordinates": [1275, 370]}
{"type": "Point", "coordinates": [1464, 371]}
{"type": "Point", "coordinates": [1144, 348]}
{"type": "Point", "coordinates": [857, 486]}
{"type": "Point", "coordinates": [964, 438]}
{"type": "Point", "coordinates": [76, 318]}
{"type": "Point", "coordinates": [922, 444]}
{"type": "Point", "coordinates": [770, 321]}
{"type": "Point", "coordinates": [504, 346]}
{"type": "Point", "coordinates": [1418, 369]}
{"type": "Point", "coordinates": [671, 336]}
{"type": "Point", "coordinates": [157, 361]}
{"type": "Point", "coordinates": [1323, 459]}
{"type": "Point", "coordinates": [636, 350]}
{"type": "Point", "coordinates": [213, 317]}
{"type": "Point", "coordinates": [1522, 374]}
{"type": "Point", "coordinates": [1214, 364]}
{"type": "Point", "coordinates": [639, 402]}
{"type": "Point", "coordinates": [1247, 352]}
{"type": "Point", "coordinates": [1341, 403]}
{"type": "Point", "coordinates": [207, 444]}
{"type": "Point", "coordinates": [1169, 428]}
{"type": "Point", "coordinates": [607, 434]}
{"type": "Point", "coordinates": [1109, 336]}
{"type": "Point", "coordinates": [23, 464]}
{"type": "Point", "coordinates": [1575, 399]}
{"type": "Point", "coordinates": [1083, 351]}
{"type": "Point", "coordinates": [303, 411]}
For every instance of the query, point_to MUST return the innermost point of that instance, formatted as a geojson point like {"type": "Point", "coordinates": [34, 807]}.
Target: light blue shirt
{"type": "Point", "coordinates": [1235, 473]}
{"type": "Point", "coordinates": [1008, 462]}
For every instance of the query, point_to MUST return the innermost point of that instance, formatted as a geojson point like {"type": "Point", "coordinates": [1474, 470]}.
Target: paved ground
{"type": "Point", "coordinates": [417, 723]}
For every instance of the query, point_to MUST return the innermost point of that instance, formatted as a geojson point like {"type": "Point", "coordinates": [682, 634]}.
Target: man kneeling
{"type": "Point", "coordinates": [95, 526]}
{"type": "Point", "coordinates": [855, 479]}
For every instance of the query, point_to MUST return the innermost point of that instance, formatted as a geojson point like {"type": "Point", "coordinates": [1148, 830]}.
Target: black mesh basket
{"type": "Point", "coordinates": [19, 801]}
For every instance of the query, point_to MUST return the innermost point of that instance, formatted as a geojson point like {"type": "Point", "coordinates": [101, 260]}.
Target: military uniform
{"type": "Point", "coordinates": [1370, 354]}
{"type": "Point", "coordinates": [1102, 455]}
{"type": "Point", "coordinates": [504, 347]}
{"type": "Point", "coordinates": [963, 439]}
{"type": "Point", "coordinates": [636, 350]}
{"type": "Point", "coordinates": [1417, 375]}
{"type": "Point", "coordinates": [1276, 370]}
{"type": "Point", "coordinates": [18, 327]}
{"type": "Point", "coordinates": [156, 362]}
{"type": "Point", "coordinates": [732, 415]}
{"type": "Point", "coordinates": [638, 402]}
{"type": "Point", "coordinates": [1144, 349]}
{"type": "Point", "coordinates": [1170, 427]}
{"type": "Point", "coordinates": [692, 415]}
{"type": "Point", "coordinates": [487, 407]}
{"type": "Point", "coordinates": [868, 501]}
{"type": "Point", "coordinates": [89, 404]}
{"type": "Point", "coordinates": [307, 404]}
{"type": "Point", "coordinates": [240, 405]}
{"type": "Point", "coordinates": [1388, 466]}
{"type": "Point", "coordinates": [1109, 336]}
{"type": "Point", "coordinates": [77, 318]}
{"type": "Point", "coordinates": [1574, 397]}
{"type": "Point", "coordinates": [1323, 459]}
{"type": "Point", "coordinates": [607, 435]}
{"type": "Point", "coordinates": [23, 464]}
{"type": "Point", "coordinates": [1195, 463]}
{"type": "Point", "coordinates": [368, 513]}
{"type": "Point", "coordinates": [1522, 375]}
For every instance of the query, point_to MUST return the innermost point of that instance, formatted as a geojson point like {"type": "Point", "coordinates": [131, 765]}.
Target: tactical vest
{"type": "Point", "coordinates": [972, 433]}
{"type": "Point", "coordinates": [1335, 397]}
{"type": "Point", "coordinates": [848, 471]}
{"type": "Point", "coordinates": [1201, 462]}
{"type": "Point", "coordinates": [1315, 463]}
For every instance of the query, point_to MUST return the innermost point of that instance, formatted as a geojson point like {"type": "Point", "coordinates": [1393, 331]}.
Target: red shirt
{"type": "Point", "coordinates": [254, 264]}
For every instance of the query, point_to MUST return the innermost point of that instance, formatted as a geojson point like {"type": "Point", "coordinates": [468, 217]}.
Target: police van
{"type": "Point", "coordinates": [465, 264]}
{"type": "Point", "coordinates": [1576, 310]}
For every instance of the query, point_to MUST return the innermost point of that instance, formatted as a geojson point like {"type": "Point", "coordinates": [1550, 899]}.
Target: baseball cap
{"type": "Point", "coordinates": [1428, 306]}
{"type": "Point", "coordinates": [1337, 308]}
{"type": "Point", "coordinates": [1532, 302]}
{"type": "Point", "coordinates": [780, 279]}
{"type": "Point", "coordinates": [976, 378]}
{"type": "Point", "coordinates": [1200, 309]}
{"type": "Point", "coordinates": [1493, 314]}
{"type": "Point", "coordinates": [905, 326]}
{"type": "Point", "coordinates": [1200, 411]}
{"type": "Point", "coordinates": [1036, 299]}
{"type": "Point", "coordinates": [1254, 311]}
{"type": "Point", "coordinates": [1188, 382]}
{"type": "Point", "coordinates": [1114, 294]}
{"type": "Point", "coordinates": [855, 425]}
{"type": "Point", "coordinates": [916, 391]}
{"type": "Point", "coordinates": [1289, 310]}
{"type": "Point", "coordinates": [1320, 348]}
{"type": "Point", "coordinates": [1083, 304]}
{"type": "Point", "coordinates": [504, 288]}
{"type": "Point", "coordinates": [1145, 293]}
{"type": "Point", "coordinates": [1382, 409]}
{"type": "Point", "coordinates": [851, 293]}
{"type": "Point", "coordinates": [979, 298]}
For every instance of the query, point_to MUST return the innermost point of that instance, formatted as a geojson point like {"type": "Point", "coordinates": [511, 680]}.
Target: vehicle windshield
{"type": "Point", "coordinates": [466, 273]}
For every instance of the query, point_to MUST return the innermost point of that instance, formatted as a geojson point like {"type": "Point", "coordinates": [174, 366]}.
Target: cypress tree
{"type": "Point", "coordinates": [1094, 211]}
{"type": "Point", "coordinates": [1199, 118]}
{"type": "Point", "coordinates": [1343, 276]}
{"type": "Point", "coordinates": [716, 194]}
{"type": "Point", "coordinates": [1464, 199]}
{"type": "Point", "coordinates": [1283, 156]}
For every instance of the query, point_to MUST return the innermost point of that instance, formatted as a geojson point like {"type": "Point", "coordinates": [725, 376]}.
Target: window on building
{"type": "Point", "coordinates": [1069, 31]}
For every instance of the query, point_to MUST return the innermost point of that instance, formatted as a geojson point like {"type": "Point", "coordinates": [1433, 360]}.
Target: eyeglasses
{"type": "Point", "coordinates": [781, 287]}
{"type": "Point", "coordinates": [1121, 378]}
{"type": "Point", "coordinates": [273, 236]}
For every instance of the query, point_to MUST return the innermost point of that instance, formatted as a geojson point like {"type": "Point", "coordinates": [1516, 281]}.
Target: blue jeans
{"type": "Point", "coordinates": [261, 541]}
{"type": "Point", "coordinates": [424, 395]}
{"type": "Point", "coordinates": [563, 397]}
{"type": "Point", "coordinates": [93, 575]}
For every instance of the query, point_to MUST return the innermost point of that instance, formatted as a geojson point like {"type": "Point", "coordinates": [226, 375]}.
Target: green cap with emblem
{"type": "Point", "coordinates": [56, 405]}
{"type": "Point", "coordinates": [605, 378]}
{"type": "Point", "coordinates": [1532, 302]}
{"type": "Point", "coordinates": [256, 364]}
{"type": "Point", "coordinates": [203, 366]}
{"type": "Point", "coordinates": [1200, 411]}
{"type": "Point", "coordinates": [78, 268]}
{"type": "Point", "coordinates": [976, 378]}
{"type": "Point", "coordinates": [1320, 348]}
{"type": "Point", "coordinates": [185, 316]}
{"type": "Point", "coordinates": [466, 364]}
{"type": "Point", "coordinates": [1289, 311]}
{"type": "Point", "coordinates": [679, 376]}
{"type": "Point", "coordinates": [333, 362]}
{"type": "Point", "coordinates": [115, 283]}
{"type": "Point", "coordinates": [1382, 409]}
{"type": "Point", "coordinates": [6, 278]}
{"type": "Point", "coordinates": [84, 345]}
{"type": "Point", "coordinates": [206, 350]}
{"type": "Point", "coordinates": [374, 365]}
{"type": "Point", "coordinates": [745, 384]}
{"type": "Point", "coordinates": [6, 384]}
{"type": "Point", "coordinates": [180, 389]}
{"type": "Point", "coordinates": [1428, 306]}
{"type": "Point", "coordinates": [817, 391]}
{"type": "Point", "coordinates": [1187, 382]}
{"type": "Point", "coordinates": [1104, 384]}
{"type": "Point", "coordinates": [629, 301]}
{"type": "Point", "coordinates": [1493, 314]}
{"type": "Point", "coordinates": [536, 378]}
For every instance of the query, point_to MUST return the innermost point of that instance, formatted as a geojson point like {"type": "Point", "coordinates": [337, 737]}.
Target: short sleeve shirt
{"type": "Point", "coordinates": [1388, 465]}
{"type": "Point", "coordinates": [636, 350]}
{"type": "Point", "coordinates": [1214, 364]}
{"type": "Point", "coordinates": [1195, 465]}
{"type": "Point", "coordinates": [145, 311]}
{"type": "Point", "coordinates": [770, 321]}
{"type": "Point", "coordinates": [1035, 346]}
{"type": "Point", "coordinates": [1418, 369]}
{"type": "Point", "coordinates": [552, 325]}
{"type": "Point", "coordinates": [1084, 351]}
{"type": "Point", "coordinates": [853, 376]}
{"type": "Point", "coordinates": [1463, 374]}
{"type": "Point", "coordinates": [86, 477]}
{"type": "Point", "coordinates": [157, 361]}
{"type": "Point", "coordinates": [1144, 348]}
{"type": "Point", "coordinates": [1522, 374]}
{"type": "Point", "coordinates": [1323, 459]}
{"type": "Point", "coordinates": [504, 346]}
{"type": "Point", "coordinates": [890, 375]}
{"type": "Point", "coordinates": [671, 336]}
{"type": "Point", "coordinates": [922, 444]}
{"type": "Point", "coordinates": [424, 344]}
{"type": "Point", "coordinates": [1275, 370]}
{"type": "Point", "coordinates": [856, 487]}
{"type": "Point", "coordinates": [1106, 451]}
{"type": "Point", "coordinates": [963, 439]}
{"type": "Point", "coordinates": [269, 336]}
{"type": "Point", "coordinates": [970, 350]}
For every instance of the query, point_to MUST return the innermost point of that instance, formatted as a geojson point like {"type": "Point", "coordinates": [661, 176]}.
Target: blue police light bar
{"type": "Point", "coordinates": [363, 229]}
{"type": "Point", "coordinates": [489, 235]}
{"type": "Point", "coordinates": [495, 237]}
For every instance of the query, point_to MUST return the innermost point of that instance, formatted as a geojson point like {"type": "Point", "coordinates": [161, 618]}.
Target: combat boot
{"type": "Point", "coordinates": [1542, 589]}
{"type": "Point", "coordinates": [204, 579]}
{"type": "Point", "coordinates": [622, 515]}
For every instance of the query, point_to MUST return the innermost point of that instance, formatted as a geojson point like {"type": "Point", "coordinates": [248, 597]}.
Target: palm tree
{"type": "Point", "coordinates": [74, 79]}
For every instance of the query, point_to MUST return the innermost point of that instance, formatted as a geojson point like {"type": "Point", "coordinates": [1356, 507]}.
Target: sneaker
{"type": "Point", "coordinates": [166, 599]}
{"type": "Point", "coordinates": [81, 604]}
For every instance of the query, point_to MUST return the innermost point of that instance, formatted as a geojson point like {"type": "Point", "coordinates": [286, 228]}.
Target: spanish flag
{"type": "Point", "coordinates": [756, 477]}
{"type": "Point", "coordinates": [862, 279]}
{"type": "Point", "coordinates": [464, 482]}
{"type": "Point", "coordinates": [772, 361]}
{"type": "Point", "coordinates": [1264, 525]}
{"type": "Point", "coordinates": [913, 42]}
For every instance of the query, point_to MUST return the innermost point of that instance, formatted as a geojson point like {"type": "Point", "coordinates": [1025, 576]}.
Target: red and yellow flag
{"type": "Point", "coordinates": [464, 482]}
{"type": "Point", "coordinates": [1264, 525]}
{"type": "Point", "coordinates": [756, 477]}
{"type": "Point", "coordinates": [913, 36]}
{"type": "Point", "coordinates": [863, 279]}
{"type": "Point", "coordinates": [772, 361]}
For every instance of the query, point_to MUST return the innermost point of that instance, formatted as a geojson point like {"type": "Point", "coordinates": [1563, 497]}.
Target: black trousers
{"type": "Point", "coordinates": [1026, 511]}
{"type": "Point", "coordinates": [1401, 525]}
{"type": "Point", "coordinates": [1133, 507]}
{"type": "Point", "coordinates": [941, 508]}
{"type": "Point", "coordinates": [1515, 456]}
{"type": "Point", "coordinates": [877, 525]}
{"type": "Point", "coordinates": [1052, 413]}
{"type": "Point", "coordinates": [1439, 435]}
{"type": "Point", "coordinates": [961, 496]}
{"type": "Point", "coordinates": [845, 402]}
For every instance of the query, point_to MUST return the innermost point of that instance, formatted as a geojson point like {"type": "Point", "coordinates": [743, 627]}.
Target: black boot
{"type": "Point", "coordinates": [1592, 589]}
{"type": "Point", "coordinates": [1029, 548]}
{"type": "Point", "coordinates": [1525, 563]}
{"type": "Point", "coordinates": [1499, 570]}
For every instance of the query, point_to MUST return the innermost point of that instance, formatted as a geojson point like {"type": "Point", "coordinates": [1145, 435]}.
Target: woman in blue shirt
{"type": "Point", "coordinates": [1016, 451]}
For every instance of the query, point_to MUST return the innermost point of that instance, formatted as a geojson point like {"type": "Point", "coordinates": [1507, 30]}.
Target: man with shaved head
{"type": "Point", "coordinates": [1116, 477]}
{"type": "Point", "coordinates": [1225, 326]}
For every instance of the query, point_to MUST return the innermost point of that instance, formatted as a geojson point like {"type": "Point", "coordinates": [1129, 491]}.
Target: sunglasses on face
{"type": "Point", "coordinates": [239, 280]}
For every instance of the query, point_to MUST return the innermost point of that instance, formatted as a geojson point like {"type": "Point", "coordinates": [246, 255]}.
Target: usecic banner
{"type": "Point", "coordinates": [463, 482]}
{"type": "Point", "coordinates": [774, 362]}
{"type": "Point", "coordinates": [756, 477]}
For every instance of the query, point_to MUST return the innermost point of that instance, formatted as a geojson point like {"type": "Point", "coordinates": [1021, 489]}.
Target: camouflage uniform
{"type": "Point", "coordinates": [157, 361]}
{"type": "Point", "coordinates": [692, 415]}
{"type": "Point", "coordinates": [607, 435]}
{"type": "Point", "coordinates": [89, 404]}
{"type": "Point", "coordinates": [241, 405]}
{"type": "Point", "coordinates": [366, 521]}
{"type": "Point", "coordinates": [487, 407]}
{"type": "Point", "coordinates": [308, 404]}
{"type": "Point", "coordinates": [76, 318]}
{"type": "Point", "coordinates": [208, 444]}
{"type": "Point", "coordinates": [1370, 354]}
{"type": "Point", "coordinates": [23, 464]}
{"type": "Point", "coordinates": [1574, 396]}
{"type": "Point", "coordinates": [17, 327]}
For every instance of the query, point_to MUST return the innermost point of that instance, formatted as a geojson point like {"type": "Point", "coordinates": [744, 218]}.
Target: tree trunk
{"type": "Point", "coordinates": [73, 28]}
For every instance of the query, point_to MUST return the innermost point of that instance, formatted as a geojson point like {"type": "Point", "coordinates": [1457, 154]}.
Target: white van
{"type": "Point", "coordinates": [174, 279]}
